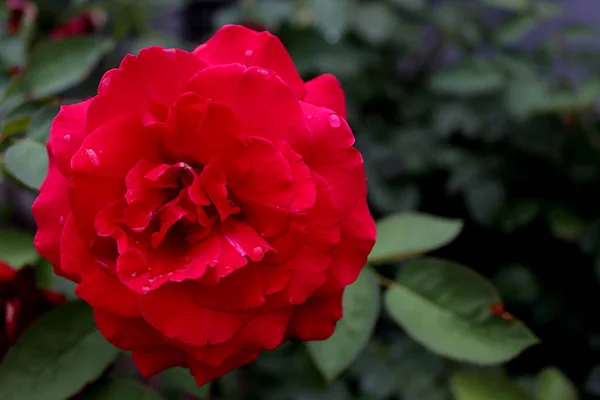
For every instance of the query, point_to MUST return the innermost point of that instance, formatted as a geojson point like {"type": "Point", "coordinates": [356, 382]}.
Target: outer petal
{"type": "Point", "coordinates": [67, 133]}
{"type": "Point", "coordinates": [127, 333]}
{"type": "Point", "coordinates": [152, 361]}
{"type": "Point", "coordinates": [316, 319]}
{"type": "Point", "coordinates": [149, 82]}
{"type": "Point", "coordinates": [50, 211]}
{"type": "Point", "coordinates": [350, 256]}
{"type": "Point", "coordinates": [205, 373]}
{"type": "Point", "coordinates": [172, 311]}
{"type": "Point", "coordinates": [275, 113]}
{"type": "Point", "coordinates": [325, 91]}
{"type": "Point", "coordinates": [238, 44]}
{"type": "Point", "coordinates": [6, 272]}
{"type": "Point", "coordinates": [335, 158]}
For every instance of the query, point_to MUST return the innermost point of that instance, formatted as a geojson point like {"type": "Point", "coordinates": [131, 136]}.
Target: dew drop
{"type": "Point", "coordinates": [257, 251]}
{"type": "Point", "coordinates": [151, 280]}
{"type": "Point", "coordinates": [67, 138]}
{"type": "Point", "coordinates": [92, 157]}
{"type": "Point", "coordinates": [170, 52]}
{"type": "Point", "coordinates": [101, 263]}
{"type": "Point", "coordinates": [105, 82]}
{"type": "Point", "coordinates": [133, 275]}
{"type": "Point", "coordinates": [146, 289]}
{"type": "Point", "coordinates": [61, 220]}
{"type": "Point", "coordinates": [309, 116]}
{"type": "Point", "coordinates": [291, 299]}
{"type": "Point", "coordinates": [264, 72]}
{"type": "Point", "coordinates": [334, 121]}
{"type": "Point", "coordinates": [249, 53]}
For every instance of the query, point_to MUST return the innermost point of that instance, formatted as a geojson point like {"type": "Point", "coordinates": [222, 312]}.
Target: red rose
{"type": "Point", "coordinates": [82, 24]}
{"type": "Point", "coordinates": [209, 205]}
{"type": "Point", "coordinates": [21, 303]}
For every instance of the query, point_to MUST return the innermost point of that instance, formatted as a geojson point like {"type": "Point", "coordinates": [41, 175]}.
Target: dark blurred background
{"type": "Point", "coordinates": [484, 110]}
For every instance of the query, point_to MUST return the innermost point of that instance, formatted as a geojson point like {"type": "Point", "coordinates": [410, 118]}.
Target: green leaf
{"type": "Point", "coordinates": [16, 248]}
{"type": "Point", "coordinates": [121, 389]}
{"type": "Point", "coordinates": [551, 384]}
{"type": "Point", "coordinates": [361, 309]}
{"type": "Point", "coordinates": [473, 77]}
{"type": "Point", "coordinates": [515, 29]}
{"type": "Point", "coordinates": [412, 5]}
{"type": "Point", "coordinates": [56, 356]}
{"type": "Point", "coordinates": [565, 225]}
{"type": "Point", "coordinates": [331, 17]}
{"type": "Point", "coordinates": [484, 200]}
{"type": "Point", "coordinates": [27, 161]}
{"type": "Point", "coordinates": [175, 382]}
{"type": "Point", "coordinates": [39, 128]}
{"type": "Point", "coordinates": [511, 5]}
{"type": "Point", "coordinates": [376, 23]}
{"type": "Point", "coordinates": [446, 307]}
{"type": "Point", "coordinates": [57, 65]}
{"type": "Point", "coordinates": [485, 386]}
{"type": "Point", "coordinates": [405, 235]}
{"type": "Point", "coordinates": [523, 96]}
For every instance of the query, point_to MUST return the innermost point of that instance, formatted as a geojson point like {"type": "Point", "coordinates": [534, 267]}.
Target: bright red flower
{"type": "Point", "coordinates": [209, 205]}
{"type": "Point", "coordinates": [79, 25]}
{"type": "Point", "coordinates": [21, 303]}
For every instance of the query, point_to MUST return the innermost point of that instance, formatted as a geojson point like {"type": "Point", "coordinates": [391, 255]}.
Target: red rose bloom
{"type": "Point", "coordinates": [209, 205]}
{"type": "Point", "coordinates": [21, 303]}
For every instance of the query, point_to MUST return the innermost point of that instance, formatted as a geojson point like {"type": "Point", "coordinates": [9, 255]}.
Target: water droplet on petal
{"type": "Point", "coordinates": [105, 82]}
{"type": "Point", "coordinates": [309, 116]}
{"type": "Point", "coordinates": [151, 280]}
{"type": "Point", "coordinates": [291, 299]}
{"type": "Point", "coordinates": [146, 289]}
{"type": "Point", "coordinates": [334, 121]}
{"type": "Point", "coordinates": [92, 157]}
{"type": "Point", "coordinates": [61, 220]}
{"type": "Point", "coordinates": [170, 52]}
{"type": "Point", "coordinates": [257, 251]}
{"type": "Point", "coordinates": [249, 53]}
{"type": "Point", "coordinates": [67, 138]}
{"type": "Point", "coordinates": [264, 72]}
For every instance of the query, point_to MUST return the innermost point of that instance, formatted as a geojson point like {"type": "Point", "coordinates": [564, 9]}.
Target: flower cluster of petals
{"type": "Point", "coordinates": [208, 204]}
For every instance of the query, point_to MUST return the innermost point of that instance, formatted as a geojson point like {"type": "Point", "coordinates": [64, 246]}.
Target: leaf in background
{"type": "Point", "coordinates": [447, 308]}
{"type": "Point", "coordinates": [471, 77]}
{"type": "Point", "coordinates": [511, 5]}
{"type": "Point", "coordinates": [56, 356]}
{"type": "Point", "coordinates": [484, 200]}
{"type": "Point", "coordinates": [331, 17]}
{"type": "Point", "coordinates": [565, 225]}
{"type": "Point", "coordinates": [175, 382]}
{"type": "Point", "coordinates": [523, 96]}
{"type": "Point", "coordinates": [552, 384]}
{"type": "Point", "coordinates": [405, 235]}
{"type": "Point", "coordinates": [27, 161]}
{"type": "Point", "coordinates": [412, 5]}
{"type": "Point", "coordinates": [121, 389]}
{"type": "Point", "coordinates": [483, 385]}
{"type": "Point", "coordinates": [514, 30]}
{"type": "Point", "coordinates": [375, 22]}
{"type": "Point", "coordinates": [57, 65]}
{"type": "Point", "coordinates": [361, 310]}
{"type": "Point", "coordinates": [16, 248]}
{"type": "Point", "coordinates": [39, 128]}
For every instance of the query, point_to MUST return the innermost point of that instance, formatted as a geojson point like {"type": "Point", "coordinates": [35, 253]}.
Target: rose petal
{"type": "Point", "coordinates": [172, 311]}
{"type": "Point", "coordinates": [205, 372]}
{"type": "Point", "coordinates": [67, 132]}
{"type": "Point", "coordinates": [127, 333]}
{"type": "Point", "coordinates": [50, 211]}
{"type": "Point", "coordinates": [316, 319]}
{"type": "Point", "coordinates": [325, 91]}
{"type": "Point", "coordinates": [275, 113]}
{"type": "Point", "coordinates": [151, 361]}
{"type": "Point", "coordinates": [238, 44]}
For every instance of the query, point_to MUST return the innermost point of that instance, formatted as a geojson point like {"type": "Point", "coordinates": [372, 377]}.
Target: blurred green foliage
{"type": "Point", "coordinates": [479, 110]}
